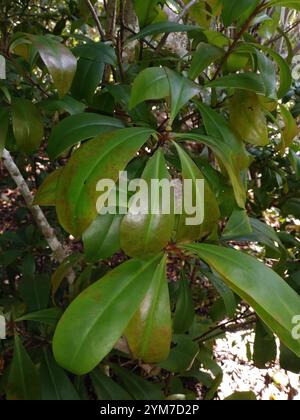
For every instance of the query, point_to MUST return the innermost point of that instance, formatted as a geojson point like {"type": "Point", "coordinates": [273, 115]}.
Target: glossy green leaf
{"type": "Point", "coordinates": [291, 129]}
{"type": "Point", "coordinates": [182, 354]}
{"type": "Point", "coordinates": [88, 76]}
{"type": "Point", "coordinates": [138, 387]}
{"type": "Point", "coordinates": [265, 233]}
{"type": "Point", "coordinates": [102, 238]}
{"type": "Point", "coordinates": [258, 285]}
{"type": "Point", "coordinates": [237, 225]}
{"type": "Point", "coordinates": [228, 148]}
{"type": "Point", "coordinates": [245, 81]}
{"type": "Point", "coordinates": [265, 348]}
{"type": "Point", "coordinates": [288, 360]}
{"type": "Point", "coordinates": [46, 194]}
{"type": "Point", "coordinates": [149, 231]}
{"type": "Point", "coordinates": [4, 122]}
{"type": "Point", "coordinates": [45, 316]}
{"type": "Point", "coordinates": [233, 9]}
{"type": "Point", "coordinates": [141, 113]}
{"type": "Point", "coordinates": [182, 90]}
{"type": "Point", "coordinates": [162, 28]}
{"type": "Point", "coordinates": [248, 119]}
{"type": "Point", "coordinates": [107, 389]}
{"type": "Point", "coordinates": [77, 128]}
{"type": "Point", "coordinates": [103, 157]}
{"type": "Point", "coordinates": [225, 292]}
{"type": "Point", "coordinates": [97, 318]}
{"type": "Point", "coordinates": [97, 51]}
{"type": "Point", "coordinates": [211, 213]}
{"type": "Point", "coordinates": [27, 125]}
{"type": "Point", "coordinates": [268, 74]}
{"type": "Point", "coordinates": [184, 313]}
{"type": "Point", "coordinates": [23, 382]}
{"type": "Point", "coordinates": [151, 83]}
{"type": "Point", "coordinates": [146, 11]}
{"type": "Point", "coordinates": [205, 55]}
{"type": "Point", "coordinates": [59, 61]}
{"type": "Point", "coordinates": [67, 104]}
{"type": "Point", "coordinates": [55, 384]}
{"type": "Point", "coordinates": [150, 330]}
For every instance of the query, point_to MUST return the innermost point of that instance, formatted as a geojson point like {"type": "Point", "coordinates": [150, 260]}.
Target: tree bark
{"type": "Point", "coordinates": [57, 248]}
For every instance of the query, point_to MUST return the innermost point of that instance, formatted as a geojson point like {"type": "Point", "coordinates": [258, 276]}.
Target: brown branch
{"type": "Point", "coordinates": [96, 19]}
{"type": "Point", "coordinates": [58, 250]}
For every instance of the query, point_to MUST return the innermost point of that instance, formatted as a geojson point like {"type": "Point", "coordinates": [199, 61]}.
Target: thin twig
{"type": "Point", "coordinates": [178, 19]}
{"type": "Point", "coordinates": [239, 35]}
{"type": "Point", "coordinates": [96, 19]}
{"type": "Point", "coordinates": [185, 10]}
{"type": "Point", "coordinates": [284, 33]}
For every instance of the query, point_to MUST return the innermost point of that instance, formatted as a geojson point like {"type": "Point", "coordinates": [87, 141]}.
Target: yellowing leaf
{"type": "Point", "coordinates": [150, 330]}
{"type": "Point", "coordinates": [248, 119]}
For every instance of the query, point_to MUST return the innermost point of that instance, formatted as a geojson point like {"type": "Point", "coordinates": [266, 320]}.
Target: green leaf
{"type": "Point", "coordinates": [265, 348]}
{"type": "Point", "coordinates": [107, 389]}
{"type": "Point", "coordinates": [258, 285]}
{"type": "Point", "coordinates": [233, 9]}
{"type": "Point", "coordinates": [266, 67]}
{"type": "Point", "coordinates": [88, 76]}
{"type": "Point", "coordinates": [291, 207]}
{"type": "Point", "coordinates": [102, 238]}
{"type": "Point", "coordinates": [103, 157]}
{"type": "Point", "coordinates": [27, 125]}
{"type": "Point", "coordinates": [45, 316]}
{"type": "Point", "coordinates": [68, 104]}
{"type": "Point", "coordinates": [97, 318]}
{"type": "Point", "coordinates": [23, 383]}
{"type": "Point", "coordinates": [59, 61]}
{"type": "Point", "coordinates": [97, 51]}
{"type": "Point", "coordinates": [151, 83]}
{"type": "Point", "coordinates": [288, 360]}
{"type": "Point", "coordinates": [225, 292]}
{"type": "Point", "coordinates": [205, 55]}
{"type": "Point", "coordinates": [35, 291]}
{"type": "Point", "coordinates": [237, 225]}
{"type": "Point", "coordinates": [228, 148]}
{"type": "Point", "coordinates": [136, 386]}
{"type": "Point", "coordinates": [146, 11]}
{"type": "Point", "coordinates": [292, 4]}
{"type": "Point", "coordinates": [291, 129]}
{"type": "Point", "coordinates": [245, 81]}
{"type": "Point", "coordinates": [210, 208]}
{"type": "Point", "coordinates": [46, 194]}
{"type": "Point", "coordinates": [79, 127]}
{"type": "Point", "coordinates": [184, 313]}
{"type": "Point", "coordinates": [268, 74]}
{"type": "Point", "coordinates": [248, 119]}
{"type": "Point", "coordinates": [149, 231]}
{"type": "Point", "coordinates": [181, 91]}
{"type": "Point", "coordinates": [4, 122]}
{"type": "Point", "coordinates": [150, 330]}
{"type": "Point", "coordinates": [56, 386]}
{"type": "Point", "coordinates": [241, 396]}
{"type": "Point", "coordinates": [62, 271]}
{"type": "Point", "coordinates": [182, 354]}
{"type": "Point", "coordinates": [162, 28]}
{"type": "Point", "coordinates": [266, 234]}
